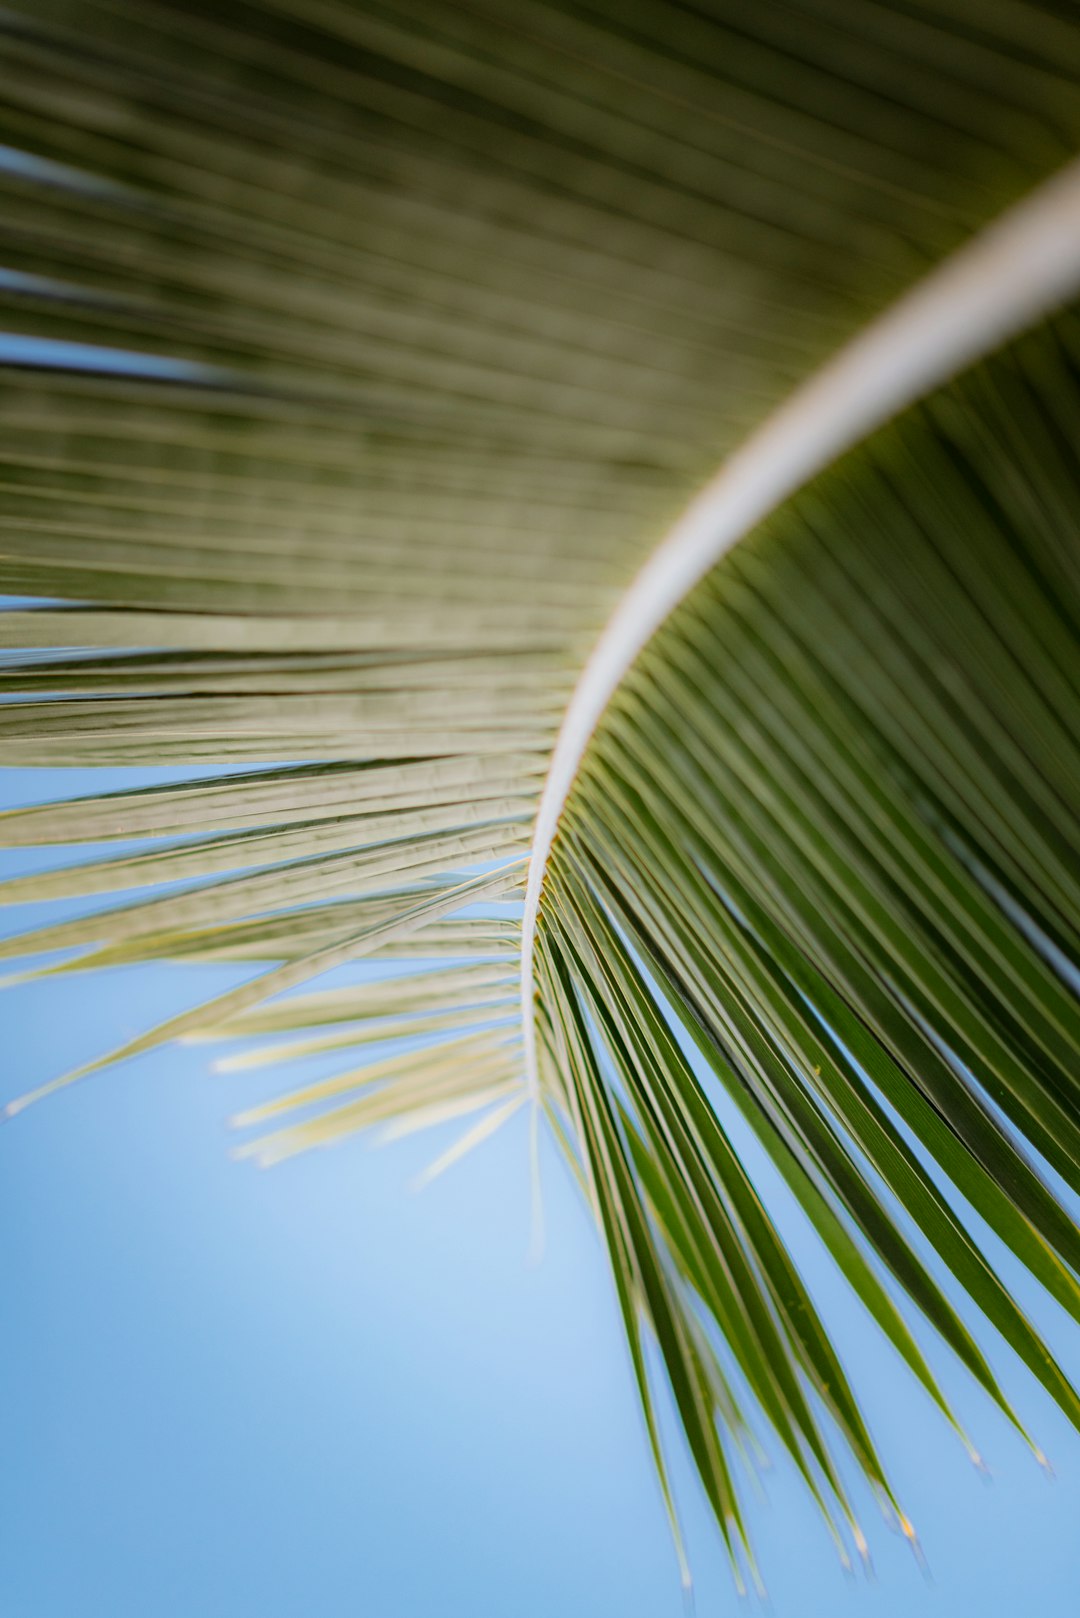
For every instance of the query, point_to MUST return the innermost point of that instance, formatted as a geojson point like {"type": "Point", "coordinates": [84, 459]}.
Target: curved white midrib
{"type": "Point", "coordinates": [1006, 277]}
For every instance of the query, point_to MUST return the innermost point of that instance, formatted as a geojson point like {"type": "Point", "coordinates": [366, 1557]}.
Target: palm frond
{"type": "Point", "coordinates": [827, 829]}
{"type": "Point", "coordinates": [358, 359]}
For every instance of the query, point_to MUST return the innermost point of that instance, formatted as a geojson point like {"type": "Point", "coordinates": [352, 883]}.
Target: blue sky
{"type": "Point", "coordinates": [308, 1392]}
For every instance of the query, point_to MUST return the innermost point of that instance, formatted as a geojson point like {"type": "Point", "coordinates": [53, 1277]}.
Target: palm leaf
{"type": "Point", "coordinates": [360, 361]}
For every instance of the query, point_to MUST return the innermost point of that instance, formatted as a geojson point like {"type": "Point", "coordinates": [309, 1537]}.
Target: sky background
{"type": "Point", "coordinates": [311, 1393]}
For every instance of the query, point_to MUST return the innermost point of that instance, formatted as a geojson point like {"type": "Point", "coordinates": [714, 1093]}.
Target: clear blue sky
{"type": "Point", "coordinates": [309, 1393]}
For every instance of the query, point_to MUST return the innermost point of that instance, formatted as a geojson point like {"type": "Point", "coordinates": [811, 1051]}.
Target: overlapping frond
{"type": "Point", "coordinates": [356, 355]}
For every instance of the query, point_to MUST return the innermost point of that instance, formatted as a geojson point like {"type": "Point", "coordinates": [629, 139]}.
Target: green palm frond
{"type": "Point", "coordinates": [361, 361]}
{"type": "Point", "coordinates": [827, 829]}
